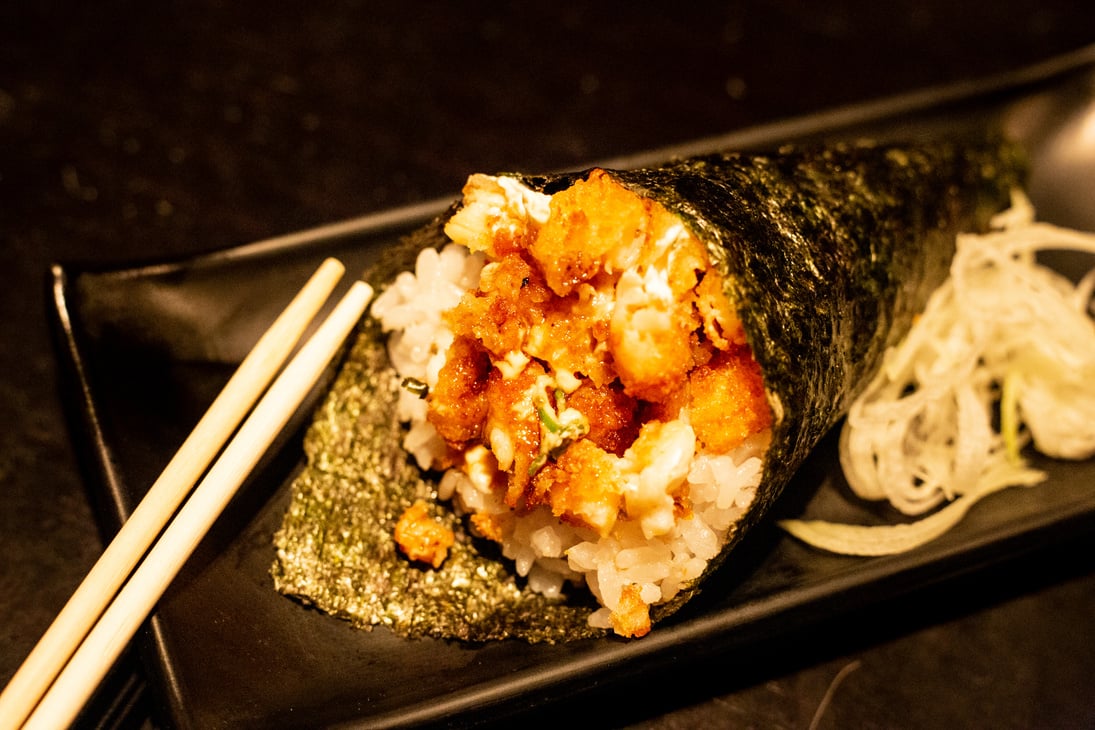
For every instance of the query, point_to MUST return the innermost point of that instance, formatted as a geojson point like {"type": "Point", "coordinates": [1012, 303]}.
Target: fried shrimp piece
{"type": "Point", "coordinates": [498, 215]}
{"type": "Point", "coordinates": [631, 619]}
{"type": "Point", "coordinates": [657, 313]}
{"type": "Point", "coordinates": [582, 486]}
{"type": "Point", "coordinates": [727, 400]}
{"type": "Point", "coordinates": [613, 415]}
{"type": "Point", "coordinates": [649, 340]}
{"type": "Point", "coordinates": [573, 337]}
{"type": "Point", "coordinates": [595, 225]}
{"type": "Point", "coordinates": [510, 299]}
{"type": "Point", "coordinates": [422, 538]}
{"type": "Point", "coordinates": [458, 403]}
{"type": "Point", "coordinates": [512, 428]}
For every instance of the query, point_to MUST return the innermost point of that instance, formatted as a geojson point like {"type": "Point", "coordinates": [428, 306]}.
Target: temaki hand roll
{"type": "Point", "coordinates": [608, 377]}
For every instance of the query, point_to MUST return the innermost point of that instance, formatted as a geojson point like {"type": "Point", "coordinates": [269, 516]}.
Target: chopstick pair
{"type": "Point", "coordinates": [90, 632]}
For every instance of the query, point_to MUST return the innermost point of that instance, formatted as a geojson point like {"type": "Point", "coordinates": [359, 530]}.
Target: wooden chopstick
{"type": "Point", "coordinates": [110, 635]}
{"type": "Point", "coordinates": [222, 418]}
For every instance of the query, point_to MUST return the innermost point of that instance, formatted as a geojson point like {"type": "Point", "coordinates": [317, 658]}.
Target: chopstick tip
{"type": "Point", "coordinates": [332, 265]}
{"type": "Point", "coordinates": [365, 290]}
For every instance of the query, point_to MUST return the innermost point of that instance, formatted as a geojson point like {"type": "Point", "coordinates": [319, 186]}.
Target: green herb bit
{"type": "Point", "coordinates": [415, 386]}
{"type": "Point", "coordinates": [537, 464]}
{"type": "Point", "coordinates": [548, 419]}
{"type": "Point", "coordinates": [563, 428]}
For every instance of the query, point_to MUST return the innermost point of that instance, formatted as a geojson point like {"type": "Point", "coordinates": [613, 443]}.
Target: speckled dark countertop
{"type": "Point", "coordinates": [154, 130]}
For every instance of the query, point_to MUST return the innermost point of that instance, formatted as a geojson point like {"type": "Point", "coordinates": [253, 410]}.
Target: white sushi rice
{"type": "Point", "coordinates": [545, 550]}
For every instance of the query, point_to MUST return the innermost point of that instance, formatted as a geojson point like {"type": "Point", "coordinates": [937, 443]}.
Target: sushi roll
{"type": "Point", "coordinates": [605, 378]}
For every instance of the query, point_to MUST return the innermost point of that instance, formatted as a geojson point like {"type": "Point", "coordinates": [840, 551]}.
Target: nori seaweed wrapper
{"type": "Point", "coordinates": [828, 252]}
{"type": "Point", "coordinates": [335, 548]}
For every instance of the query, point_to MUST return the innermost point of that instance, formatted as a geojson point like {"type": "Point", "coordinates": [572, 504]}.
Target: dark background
{"type": "Point", "coordinates": [155, 130]}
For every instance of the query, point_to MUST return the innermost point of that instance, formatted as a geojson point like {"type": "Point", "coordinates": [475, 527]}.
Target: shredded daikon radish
{"type": "Point", "coordinates": [1004, 340]}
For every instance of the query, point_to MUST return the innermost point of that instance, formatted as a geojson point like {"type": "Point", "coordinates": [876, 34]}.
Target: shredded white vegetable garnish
{"type": "Point", "coordinates": [1003, 356]}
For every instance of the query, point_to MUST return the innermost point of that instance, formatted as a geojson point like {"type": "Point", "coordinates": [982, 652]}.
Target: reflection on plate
{"type": "Point", "coordinates": [147, 349]}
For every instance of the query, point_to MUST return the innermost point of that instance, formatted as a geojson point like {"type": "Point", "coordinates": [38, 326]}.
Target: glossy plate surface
{"type": "Point", "coordinates": [146, 349]}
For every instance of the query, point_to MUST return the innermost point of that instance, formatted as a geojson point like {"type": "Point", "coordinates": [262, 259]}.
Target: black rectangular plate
{"type": "Point", "coordinates": [147, 347]}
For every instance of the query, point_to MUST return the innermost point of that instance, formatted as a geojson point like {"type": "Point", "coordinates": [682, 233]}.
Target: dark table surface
{"type": "Point", "coordinates": [155, 130]}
